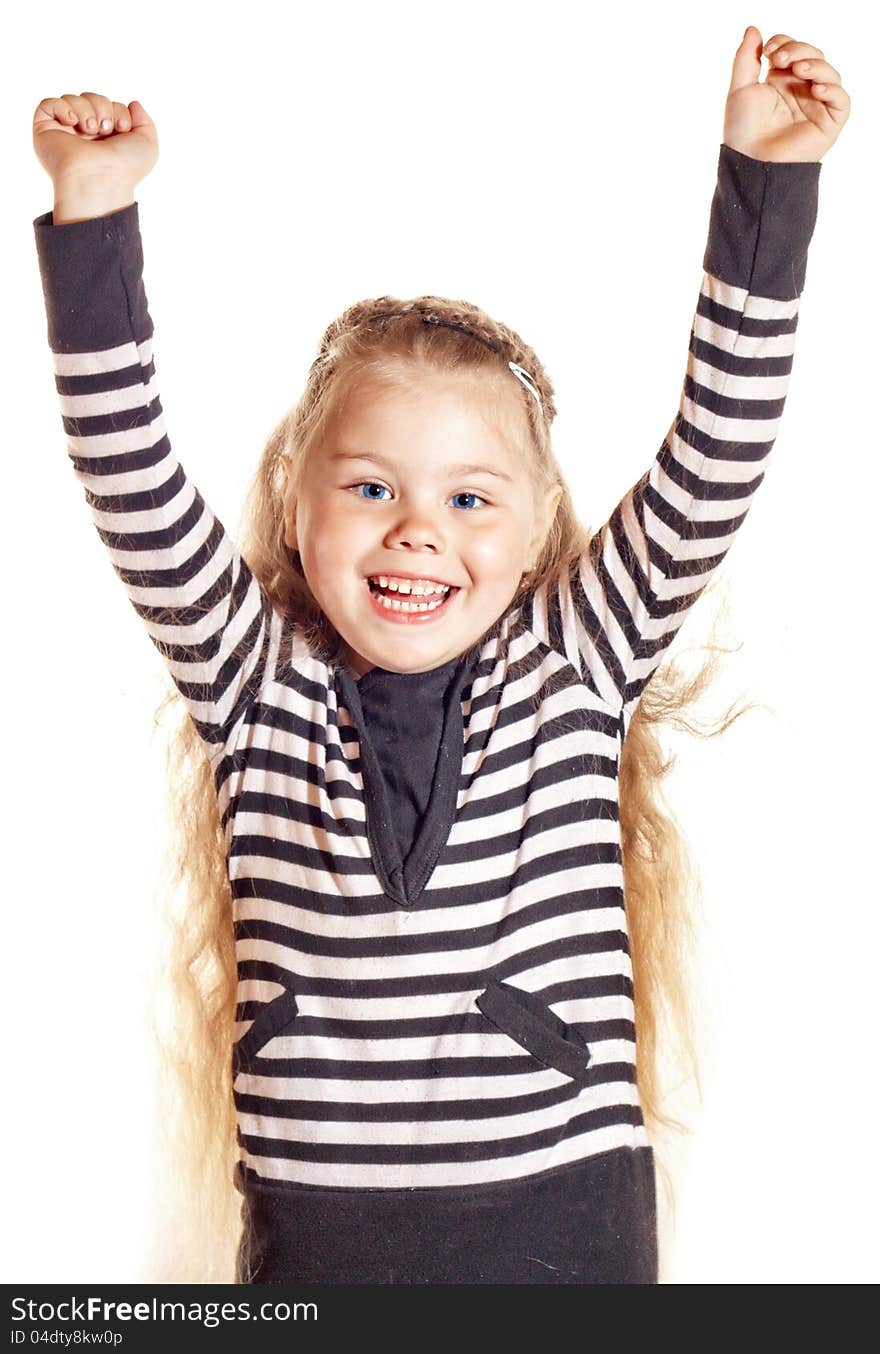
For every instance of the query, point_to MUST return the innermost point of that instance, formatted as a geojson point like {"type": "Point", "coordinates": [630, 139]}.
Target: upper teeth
{"type": "Point", "coordinates": [422, 587]}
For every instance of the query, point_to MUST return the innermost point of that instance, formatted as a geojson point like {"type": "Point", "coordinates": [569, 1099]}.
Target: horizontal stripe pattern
{"type": "Point", "coordinates": [621, 606]}
{"type": "Point", "coordinates": [374, 1066]}
{"type": "Point", "coordinates": [199, 601]}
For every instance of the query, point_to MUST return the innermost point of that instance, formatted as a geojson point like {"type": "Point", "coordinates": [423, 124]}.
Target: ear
{"type": "Point", "coordinates": [543, 521]}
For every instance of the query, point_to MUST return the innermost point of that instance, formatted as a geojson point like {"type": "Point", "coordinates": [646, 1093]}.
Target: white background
{"type": "Point", "coordinates": [556, 166]}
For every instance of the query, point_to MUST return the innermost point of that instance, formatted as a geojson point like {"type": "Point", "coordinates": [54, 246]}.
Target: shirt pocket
{"type": "Point", "coordinates": [273, 1019]}
{"type": "Point", "coordinates": [528, 1020]}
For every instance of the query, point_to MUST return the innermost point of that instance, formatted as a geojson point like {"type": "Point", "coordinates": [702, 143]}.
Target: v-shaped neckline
{"type": "Point", "coordinates": [404, 880]}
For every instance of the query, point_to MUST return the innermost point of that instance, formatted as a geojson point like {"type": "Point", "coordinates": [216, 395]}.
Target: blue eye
{"type": "Point", "coordinates": [368, 484]}
{"type": "Point", "coordinates": [466, 493]}
{"type": "Point", "coordinates": [372, 484]}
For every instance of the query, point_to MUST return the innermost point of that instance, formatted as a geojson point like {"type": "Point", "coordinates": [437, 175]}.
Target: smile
{"type": "Point", "coordinates": [418, 611]}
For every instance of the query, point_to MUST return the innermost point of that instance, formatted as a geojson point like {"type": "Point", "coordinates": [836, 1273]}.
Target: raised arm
{"type": "Point", "coordinates": [624, 600]}
{"type": "Point", "coordinates": [619, 608]}
{"type": "Point", "coordinates": [200, 603]}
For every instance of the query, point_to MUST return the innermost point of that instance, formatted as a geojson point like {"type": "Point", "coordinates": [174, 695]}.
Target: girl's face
{"type": "Point", "coordinates": [415, 485]}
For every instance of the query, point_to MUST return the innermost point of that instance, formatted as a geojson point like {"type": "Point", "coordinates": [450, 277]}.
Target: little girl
{"type": "Point", "coordinates": [409, 707]}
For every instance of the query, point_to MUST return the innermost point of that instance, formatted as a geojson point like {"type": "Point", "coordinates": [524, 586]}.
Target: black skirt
{"type": "Point", "coordinates": [592, 1222]}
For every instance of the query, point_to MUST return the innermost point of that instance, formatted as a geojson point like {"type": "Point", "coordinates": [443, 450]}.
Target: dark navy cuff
{"type": "Point", "coordinates": [92, 275]}
{"type": "Point", "coordinates": [761, 223]}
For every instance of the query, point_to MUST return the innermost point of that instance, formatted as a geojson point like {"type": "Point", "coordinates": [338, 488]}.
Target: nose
{"type": "Point", "coordinates": [415, 530]}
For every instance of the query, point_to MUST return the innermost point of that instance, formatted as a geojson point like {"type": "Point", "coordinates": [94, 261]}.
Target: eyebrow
{"type": "Point", "coordinates": [453, 471]}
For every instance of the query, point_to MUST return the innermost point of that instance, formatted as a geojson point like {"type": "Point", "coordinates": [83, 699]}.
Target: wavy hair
{"type": "Point", "coordinates": [203, 1229]}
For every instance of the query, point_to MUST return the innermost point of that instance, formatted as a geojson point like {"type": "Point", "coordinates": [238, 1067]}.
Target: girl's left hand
{"type": "Point", "coordinates": [789, 117]}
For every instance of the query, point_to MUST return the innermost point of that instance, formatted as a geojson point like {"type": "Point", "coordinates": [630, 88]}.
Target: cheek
{"type": "Point", "coordinates": [331, 540]}
{"type": "Point", "coordinates": [496, 554]}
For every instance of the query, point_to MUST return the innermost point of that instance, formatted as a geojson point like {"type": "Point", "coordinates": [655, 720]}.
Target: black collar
{"type": "Point", "coordinates": [404, 881]}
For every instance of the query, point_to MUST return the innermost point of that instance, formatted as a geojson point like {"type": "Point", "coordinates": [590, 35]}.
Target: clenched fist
{"type": "Point", "coordinates": [87, 139]}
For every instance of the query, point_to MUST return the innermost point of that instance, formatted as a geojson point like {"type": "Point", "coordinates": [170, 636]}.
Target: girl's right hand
{"type": "Point", "coordinates": [72, 151]}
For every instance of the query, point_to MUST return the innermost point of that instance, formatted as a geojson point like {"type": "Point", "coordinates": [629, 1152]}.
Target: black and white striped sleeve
{"type": "Point", "coordinates": [619, 608]}
{"type": "Point", "coordinates": [201, 605]}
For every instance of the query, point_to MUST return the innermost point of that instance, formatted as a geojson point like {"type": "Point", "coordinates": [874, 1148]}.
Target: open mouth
{"type": "Point", "coordinates": [409, 606]}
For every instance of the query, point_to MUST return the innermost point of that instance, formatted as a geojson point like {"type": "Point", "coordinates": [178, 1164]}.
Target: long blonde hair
{"type": "Point", "coordinates": [203, 1217]}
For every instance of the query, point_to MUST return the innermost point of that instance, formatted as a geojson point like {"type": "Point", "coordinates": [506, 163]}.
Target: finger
{"type": "Point", "coordinates": [102, 111]}
{"type": "Point", "coordinates": [790, 52]}
{"type": "Point", "coordinates": [834, 97]}
{"type": "Point", "coordinates": [56, 110]}
{"type": "Point", "coordinates": [747, 62]}
{"type": "Point", "coordinates": [121, 117]}
{"type": "Point", "coordinates": [84, 111]}
{"type": "Point", "coordinates": [816, 70]}
{"type": "Point", "coordinates": [776, 41]}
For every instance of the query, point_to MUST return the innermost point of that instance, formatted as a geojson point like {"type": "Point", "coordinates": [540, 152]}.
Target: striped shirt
{"type": "Point", "coordinates": [463, 1016]}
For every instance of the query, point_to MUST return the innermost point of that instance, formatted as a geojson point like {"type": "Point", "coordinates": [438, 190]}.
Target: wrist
{"type": "Point", "coordinates": [84, 199]}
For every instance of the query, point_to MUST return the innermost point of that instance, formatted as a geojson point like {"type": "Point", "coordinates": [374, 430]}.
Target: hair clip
{"type": "Point", "coordinates": [522, 375]}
